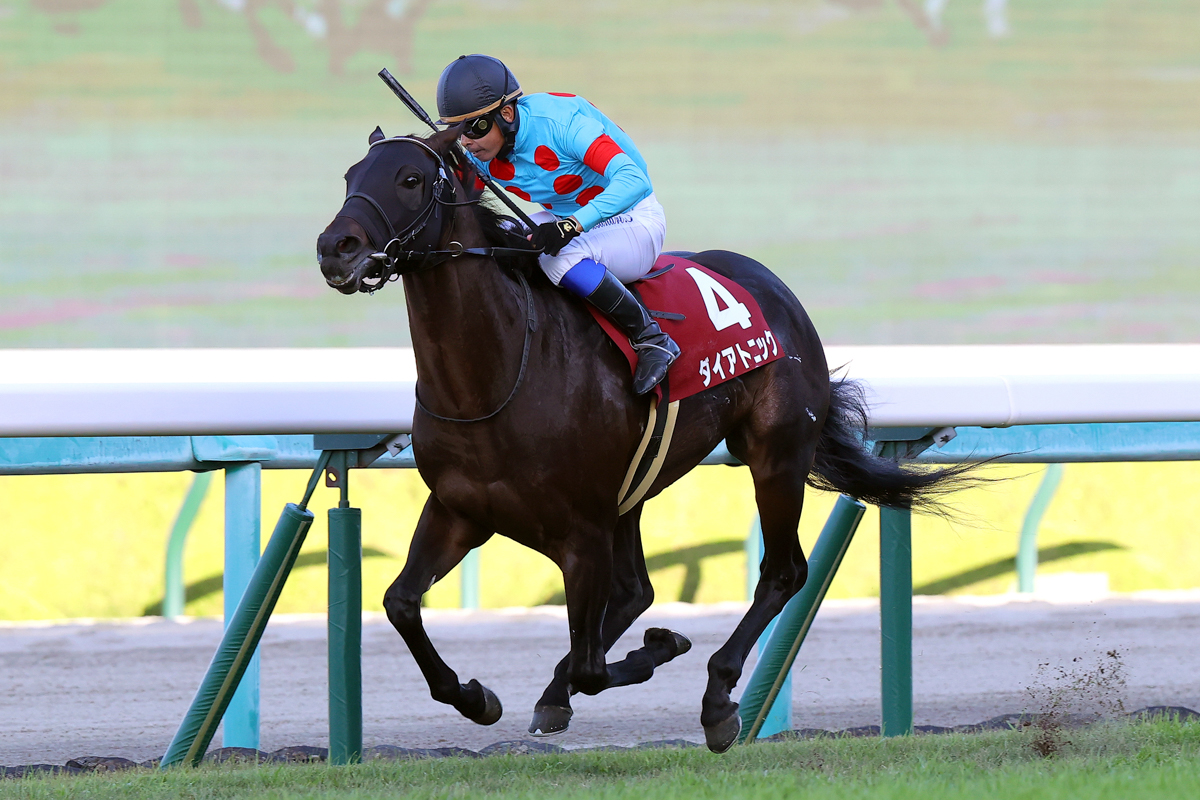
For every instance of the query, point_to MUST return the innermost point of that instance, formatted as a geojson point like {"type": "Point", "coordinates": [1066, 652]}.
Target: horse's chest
{"type": "Point", "coordinates": [503, 506]}
{"type": "Point", "coordinates": [467, 476]}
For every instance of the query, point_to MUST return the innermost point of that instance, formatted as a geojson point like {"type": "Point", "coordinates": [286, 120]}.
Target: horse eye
{"type": "Point", "coordinates": [411, 181]}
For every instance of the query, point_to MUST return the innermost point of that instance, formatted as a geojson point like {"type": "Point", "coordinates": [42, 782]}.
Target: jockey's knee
{"type": "Point", "coordinates": [583, 278]}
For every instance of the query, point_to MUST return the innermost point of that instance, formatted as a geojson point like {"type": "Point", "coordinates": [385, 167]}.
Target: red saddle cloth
{"type": "Point", "coordinates": [723, 333]}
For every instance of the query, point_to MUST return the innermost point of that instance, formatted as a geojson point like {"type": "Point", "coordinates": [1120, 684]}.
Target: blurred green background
{"type": "Point", "coordinates": [933, 171]}
{"type": "Point", "coordinates": [917, 172]}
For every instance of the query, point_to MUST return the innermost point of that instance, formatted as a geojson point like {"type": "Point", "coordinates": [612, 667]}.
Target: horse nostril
{"type": "Point", "coordinates": [347, 244]}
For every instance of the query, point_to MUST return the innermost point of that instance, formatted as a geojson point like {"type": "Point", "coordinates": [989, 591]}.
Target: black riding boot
{"type": "Point", "coordinates": [656, 350]}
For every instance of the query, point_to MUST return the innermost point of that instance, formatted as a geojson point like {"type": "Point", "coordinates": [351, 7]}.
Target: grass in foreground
{"type": "Point", "coordinates": [1148, 760]}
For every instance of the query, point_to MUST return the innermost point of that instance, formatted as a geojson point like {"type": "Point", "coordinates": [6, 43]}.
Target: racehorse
{"type": "Point", "coordinates": [526, 422]}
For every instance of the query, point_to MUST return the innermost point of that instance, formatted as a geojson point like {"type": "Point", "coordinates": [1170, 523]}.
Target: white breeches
{"type": "Point", "coordinates": [628, 244]}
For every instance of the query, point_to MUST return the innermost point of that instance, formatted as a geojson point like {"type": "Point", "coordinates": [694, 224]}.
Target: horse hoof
{"type": "Point", "coordinates": [677, 642]}
{"type": "Point", "coordinates": [549, 720]}
{"type": "Point", "coordinates": [720, 737]}
{"type": "Point", "coordinates": [492, 710]}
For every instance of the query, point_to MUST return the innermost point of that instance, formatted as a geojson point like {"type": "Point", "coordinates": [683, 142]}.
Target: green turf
{"type": "Point", "coordinates": [1159, 760]}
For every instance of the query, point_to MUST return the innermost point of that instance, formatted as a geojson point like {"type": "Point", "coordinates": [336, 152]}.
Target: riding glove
{"type": "Point", "coordinates": [553, 236]}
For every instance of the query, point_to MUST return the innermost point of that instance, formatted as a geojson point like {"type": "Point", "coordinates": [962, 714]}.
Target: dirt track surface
{"type": "Point", "coordinates": [121, 688]}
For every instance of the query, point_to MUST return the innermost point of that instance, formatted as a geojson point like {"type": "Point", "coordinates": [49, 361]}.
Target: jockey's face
{"type": "Point", "coordinates": [488, 146]}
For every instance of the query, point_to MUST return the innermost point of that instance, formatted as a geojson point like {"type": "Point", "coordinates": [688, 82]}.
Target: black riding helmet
{"type": "Point", "coordinates": [477, 86]}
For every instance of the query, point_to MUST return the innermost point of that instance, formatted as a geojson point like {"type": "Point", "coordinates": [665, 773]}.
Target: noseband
{"type": "Point", "coordinates": [404, 254]}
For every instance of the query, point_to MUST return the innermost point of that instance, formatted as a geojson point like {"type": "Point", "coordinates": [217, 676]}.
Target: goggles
{"type": "Point", "coordinates": [479, 127]}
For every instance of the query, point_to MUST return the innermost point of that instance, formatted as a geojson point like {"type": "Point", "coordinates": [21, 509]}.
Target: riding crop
{"type": "Point", "coordinates": [422, 115]}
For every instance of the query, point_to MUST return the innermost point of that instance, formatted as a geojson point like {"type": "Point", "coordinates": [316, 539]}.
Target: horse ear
{"type": "Point", "coordinates": [376, 135]}
{"type": "Point", "coordinates": [442, 141]}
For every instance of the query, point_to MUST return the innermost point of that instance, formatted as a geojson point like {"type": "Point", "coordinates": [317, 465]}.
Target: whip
{"type": "Point", "coordinates": [421, 114]}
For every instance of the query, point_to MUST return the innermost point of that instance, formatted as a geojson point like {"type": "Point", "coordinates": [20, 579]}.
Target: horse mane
{"type": "Point", "coordinates": [501, 230]}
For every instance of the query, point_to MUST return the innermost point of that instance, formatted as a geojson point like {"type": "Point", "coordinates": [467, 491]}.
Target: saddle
{"type": "Point", "coordinates": [716, 323]}
{"type": "Point", "coordinates": [722, 334]}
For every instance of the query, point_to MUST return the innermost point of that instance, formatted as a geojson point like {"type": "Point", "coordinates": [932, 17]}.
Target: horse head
{"type": "Point", "coordinates": [395, 201]}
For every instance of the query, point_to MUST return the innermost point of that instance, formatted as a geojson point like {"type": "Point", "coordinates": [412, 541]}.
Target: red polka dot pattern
{"type": "Point", "coordinates": [479, 184]}
{"type": "Point", "coordinates": [562, 94]}
{"type": "Point", "coordinates": [501, 169]}
{"type": "Point", "coordinates": [521, 193]}
{"type": "Point", "coordinates": [588, 195]}
{"type": "Point", "coordinates": [545, 158]}
{"type": "Point", "coordinates": [565, 184]}
{"type": "Point", "coordinates": [547, 206]}
{"type": "Point", "coordinates": [601, 151]}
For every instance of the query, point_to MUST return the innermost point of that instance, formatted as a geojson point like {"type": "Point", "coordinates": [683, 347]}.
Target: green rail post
{"type": "Point", "coordinates": [753, 558]}
{"type": "Point", "coordinates": [468, 574]}
{"type": "Point", "coordinates": [244, 631]}
{"type": "Point", "coordinates": [779, 716]}
{"type": "Point", "coordinates": [895, 620]}
{"type": "Point", "coordinates": [243, 542]}
{"type": "Point", "coordinates": [775, 663]}
{"type": "Point", "coordinates": [345, 626]}
{"type": "Point", "coordinates": [1027, 551]}
{"type": "Point", "coordinates": [174, 598]}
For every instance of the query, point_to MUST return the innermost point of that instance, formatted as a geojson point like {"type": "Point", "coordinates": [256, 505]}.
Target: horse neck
{"type": "Point", "coordinates": [467, 321]}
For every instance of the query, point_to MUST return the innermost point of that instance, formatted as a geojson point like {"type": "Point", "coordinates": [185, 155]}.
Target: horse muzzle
{"type": "Point", "coordinates": [364, 274]}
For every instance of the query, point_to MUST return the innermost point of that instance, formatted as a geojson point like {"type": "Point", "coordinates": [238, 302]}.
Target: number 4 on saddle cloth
{"type": "Point", "coordinates": [722, 334]}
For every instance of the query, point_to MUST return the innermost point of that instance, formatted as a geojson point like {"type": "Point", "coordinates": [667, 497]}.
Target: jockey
{"type": "Point", "coordinates": [602, 227]}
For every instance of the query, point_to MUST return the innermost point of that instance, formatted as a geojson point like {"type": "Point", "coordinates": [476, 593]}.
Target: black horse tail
{"type": "Point", "coordinates": [844, 464]}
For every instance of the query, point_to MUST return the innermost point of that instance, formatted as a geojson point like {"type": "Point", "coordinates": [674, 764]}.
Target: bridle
{"type": "Point", "coordinates": [393, 257]}
{"type": "Point", "coordinates": [395, 260]}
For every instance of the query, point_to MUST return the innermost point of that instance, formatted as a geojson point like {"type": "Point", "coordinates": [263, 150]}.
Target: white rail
{"type": "Point", "coordinates": [1002, 385]}
{"type": "Point", "coordinates": [179, 392]}
{"type": "Point", "coordinates": [186, 392]}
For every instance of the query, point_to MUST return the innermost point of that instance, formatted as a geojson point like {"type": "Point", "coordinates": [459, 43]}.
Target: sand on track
{"type": "Point", "coordinates": [120, 688]}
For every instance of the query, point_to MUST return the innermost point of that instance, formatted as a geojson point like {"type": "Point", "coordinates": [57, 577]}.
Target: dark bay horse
{"type": "Point", "coordinates": [526, 423]}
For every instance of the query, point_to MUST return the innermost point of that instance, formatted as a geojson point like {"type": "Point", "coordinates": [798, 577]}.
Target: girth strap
{"type": "Point", "coordinates": [651, 453]}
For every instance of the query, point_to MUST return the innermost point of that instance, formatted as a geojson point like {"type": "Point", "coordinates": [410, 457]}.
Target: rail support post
{"type": "Point", "coordinates": [1027, 549]}
{"type": "Point", "coordinates": [174, 595]}
{"type": "Point", "coordinates": [243, 541]}
{"type": "Point", "coordinates": [243, 632]}
{"type": "Point", "coordinates": [792, 625]}
{"type": "Point", "coordinates": [895, 582]}
{"type": "Point", "coordinates": [346, 452]}
{"type": "Point", "coordinates": [895, 621]}
{"type": "Point", "coordinates": [468, 573]}
{"type": "Point", "coordinates": [345, 622]}
{"type": "Point", "coordinates": [779, 716]}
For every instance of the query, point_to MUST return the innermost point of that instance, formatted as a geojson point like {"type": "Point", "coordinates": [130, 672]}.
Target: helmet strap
{"type": "Point", "coordinates": [509, 129]}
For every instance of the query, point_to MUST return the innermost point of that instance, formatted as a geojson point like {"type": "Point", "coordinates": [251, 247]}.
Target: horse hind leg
{"type": "Point", "coordinates": [631, 594]}
{"type": "Point", "coordinates": [441, 540]}
{"type": "Point", "coordinates": [779, 460]}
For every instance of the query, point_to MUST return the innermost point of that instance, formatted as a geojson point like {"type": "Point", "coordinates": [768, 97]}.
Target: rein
{"type": "Point", "coordinates": [391, 262]}
{"type": "Point", "coordinates": [393, 258]}
{"type": "Point", "coordinates": [530, 327]}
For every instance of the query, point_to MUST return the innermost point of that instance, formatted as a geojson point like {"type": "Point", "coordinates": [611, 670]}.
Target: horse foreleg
{"type": "Point", "coordinates": [779, 493]}
{"type": "Point", "coordinates": [441, 540]}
